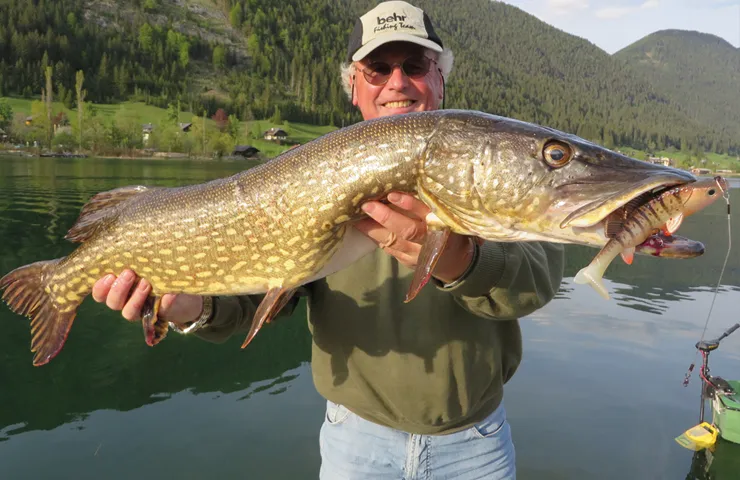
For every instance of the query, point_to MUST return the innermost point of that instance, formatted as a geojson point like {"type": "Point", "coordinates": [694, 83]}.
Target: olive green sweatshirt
{"type": "Point", "coordinates": [435, 365]}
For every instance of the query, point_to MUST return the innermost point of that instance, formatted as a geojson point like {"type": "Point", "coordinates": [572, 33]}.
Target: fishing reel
{"type": "Point", "coordinates": [724, 397]}
{"type": "Point", "coordinates": [714, 385]}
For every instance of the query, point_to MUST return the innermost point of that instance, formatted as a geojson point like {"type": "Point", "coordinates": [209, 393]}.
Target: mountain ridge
{"type": "Point", "coordinates": [261, 59]}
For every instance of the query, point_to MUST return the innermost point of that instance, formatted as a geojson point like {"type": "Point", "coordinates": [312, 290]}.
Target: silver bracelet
{"type": "Point", "coordinates": [205, 316]}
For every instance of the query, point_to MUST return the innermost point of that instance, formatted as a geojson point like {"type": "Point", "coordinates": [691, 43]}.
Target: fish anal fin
{"type": "Point", "coordinates": [100, 208]}
{"type": "Point", "coordinates": [155, 329]}
{"type": "Point", "coordinates": [628, 255]}
{"type": "Point", "coordinates": [672, 224]}
{"type": "Point", "coordinates": [51, 318]}
{"type": "Point", "coordinates": [274, 301]}
{"type": "Point", "coordinates": [434, 244]}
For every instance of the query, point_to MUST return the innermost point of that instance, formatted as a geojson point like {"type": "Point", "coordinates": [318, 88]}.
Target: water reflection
{"type": "Point", "coordinates": [721, 463]}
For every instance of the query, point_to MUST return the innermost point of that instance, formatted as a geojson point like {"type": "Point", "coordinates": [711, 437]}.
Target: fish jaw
{"type": "Point", "coordinates": [571, 204]}
{"type": "Point", "coordinates": [495, 180]}
{"type": "Point", "coordinates": [614, 195]}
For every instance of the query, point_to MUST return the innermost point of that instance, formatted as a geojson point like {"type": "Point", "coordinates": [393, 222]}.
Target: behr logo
{"type": "Point", "coordinates": [391, 18]}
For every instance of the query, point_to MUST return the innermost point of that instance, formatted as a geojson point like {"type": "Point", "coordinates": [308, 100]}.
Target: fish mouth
{"type": "Point", "coordinates": [605, 203]}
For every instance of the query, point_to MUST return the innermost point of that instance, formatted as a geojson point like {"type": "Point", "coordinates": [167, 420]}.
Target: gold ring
{"type": "Point", "coordinates": [389, 241]}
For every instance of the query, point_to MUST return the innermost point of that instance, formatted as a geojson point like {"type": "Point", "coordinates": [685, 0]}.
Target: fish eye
{"type": "Point", "coordinates": [711, 192]}
{"type": "Point", "coordinates": [557, 154]}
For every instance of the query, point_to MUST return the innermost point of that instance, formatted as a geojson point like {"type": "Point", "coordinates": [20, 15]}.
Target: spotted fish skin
{"type": "Point", "coordinates": [277, 226]}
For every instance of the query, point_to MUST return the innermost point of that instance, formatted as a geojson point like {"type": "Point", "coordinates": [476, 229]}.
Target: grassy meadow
{"type": "Point", "coordinates": [250, 133]}
{"type": "Point", "coordinates": [138, 113]}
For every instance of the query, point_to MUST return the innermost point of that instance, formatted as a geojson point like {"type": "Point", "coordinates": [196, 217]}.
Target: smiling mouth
{"type": "Point", "coordinates": [399, 104]}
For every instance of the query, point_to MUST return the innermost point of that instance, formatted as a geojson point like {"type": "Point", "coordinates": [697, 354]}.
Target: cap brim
{"type": "Point", "coordinates": [394, 37]}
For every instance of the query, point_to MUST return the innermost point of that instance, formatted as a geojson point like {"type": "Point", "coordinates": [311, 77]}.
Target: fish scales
{"type": "Point", "coordinates": [271, 225]}
{"type": "Point", "coordinates": [282, 224]}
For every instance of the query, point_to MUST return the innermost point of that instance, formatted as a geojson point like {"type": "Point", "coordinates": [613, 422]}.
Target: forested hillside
{"type": "Point", "coordinates": [700, 73]}
{"type": "Point", "coordinates": [269, 58]}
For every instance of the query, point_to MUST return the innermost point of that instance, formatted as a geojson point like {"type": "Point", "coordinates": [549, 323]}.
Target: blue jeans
{"type": "Point", "coordinates": [353, 448]}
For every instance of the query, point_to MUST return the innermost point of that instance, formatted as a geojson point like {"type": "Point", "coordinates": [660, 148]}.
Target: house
{"type": "Point", "coordinates": [146, 131]}
{"type": "Point", "coordinates": [700, 171]}
{"type": "Point", "coordinates": [59, 129]}
{"type": "Point", "coordinates": [665, 161]}
{"type": "Point", "coordinates": [246, 151]}
{"type": "Point", "coordinates": [276, 134]}
{"type": "Point", "coordinates": [29, 120]}
{"type": "Point", "coordinates": [185, 127]}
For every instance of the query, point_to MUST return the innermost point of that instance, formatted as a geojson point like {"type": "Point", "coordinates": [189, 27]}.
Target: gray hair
{"type": "Point", "coordinates": [445, 59]}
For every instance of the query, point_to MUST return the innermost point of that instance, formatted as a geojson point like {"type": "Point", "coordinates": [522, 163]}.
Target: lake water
{"type": "Point", "coordinates": [598, 395]}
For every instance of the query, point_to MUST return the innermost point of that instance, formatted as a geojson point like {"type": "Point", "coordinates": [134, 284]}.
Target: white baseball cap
{"type": "Point", "coordinates": [393, 21]}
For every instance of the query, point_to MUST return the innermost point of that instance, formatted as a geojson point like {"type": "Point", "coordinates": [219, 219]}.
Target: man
{"type": "Point", "coordinates": [412, 389]}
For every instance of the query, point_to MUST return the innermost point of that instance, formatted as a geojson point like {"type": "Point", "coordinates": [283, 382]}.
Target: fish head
{"type": "Point", "coordinates": [538, 183]}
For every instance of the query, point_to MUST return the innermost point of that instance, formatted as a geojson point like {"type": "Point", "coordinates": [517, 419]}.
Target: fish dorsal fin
{"type": "Point", "coordinates": [672, 224]}
{"type": "Point", "coordinates": [100, 208]}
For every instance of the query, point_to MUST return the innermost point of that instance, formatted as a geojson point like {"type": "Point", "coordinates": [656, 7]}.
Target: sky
{"type": "Point", "coordinates": [612, 25]}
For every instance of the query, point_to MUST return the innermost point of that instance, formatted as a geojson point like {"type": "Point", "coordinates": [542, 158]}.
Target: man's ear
{"type": "Point", "coordinates": [352, 85]}
{"type": "Point", "coordinates": [442, 84]}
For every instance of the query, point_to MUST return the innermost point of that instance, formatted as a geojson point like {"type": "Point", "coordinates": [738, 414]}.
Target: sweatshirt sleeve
{"type": "Point", "coordinates": [234, 315]}
{"type": "Point", "coordinates": [510, 280]}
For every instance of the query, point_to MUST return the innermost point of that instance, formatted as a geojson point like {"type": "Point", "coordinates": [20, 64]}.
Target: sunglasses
{"type": "Point", "coordinates": [378, 73]}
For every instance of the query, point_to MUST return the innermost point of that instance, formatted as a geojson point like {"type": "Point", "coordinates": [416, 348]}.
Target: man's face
{"type": "Point", "coordinates": [400, 94]}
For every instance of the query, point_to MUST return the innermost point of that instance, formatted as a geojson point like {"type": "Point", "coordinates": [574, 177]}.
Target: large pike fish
{"type": "Point", "coordinates": [273, 228]}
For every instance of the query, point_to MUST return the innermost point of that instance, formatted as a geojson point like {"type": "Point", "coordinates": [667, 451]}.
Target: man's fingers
{"type": "Point", "coordinates": [102, 287]}
{"type": "Point", "coordinates": [406, 252]}
{"type": "Point", "coordinates": [119, 291]}
{"type": "Point", "coordinates": [409, 203]}
{"type": "Point", "coordinates": [132, 310]}
{"type": "Point", "coordinates": [167, 300]}
{"type": "Point", "coordinates": [405, 227]}
{"type": "Point", "coordinates": [379, 234]}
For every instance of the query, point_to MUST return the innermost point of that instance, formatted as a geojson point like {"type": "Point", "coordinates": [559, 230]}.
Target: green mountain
{"type": "Point", "coordinates": [269, 58]}
{"type": "Point", "coordinates": [699, 73]}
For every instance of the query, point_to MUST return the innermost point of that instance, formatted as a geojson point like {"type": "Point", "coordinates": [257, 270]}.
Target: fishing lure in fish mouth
{"type": "Point", "coordinates": [662, 213]}
{"type": "Point", "coordinates": [275, 227]}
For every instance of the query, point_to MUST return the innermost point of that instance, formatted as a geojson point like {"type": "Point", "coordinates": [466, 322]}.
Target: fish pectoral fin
{"type": "Point", "coordinates": [100, 208]}
{"type": "Point", "coordinates": [274, 301]}
{"type": "Point", "coordinates": [672, 224]}
{"type": "Point", "coordinates": [628, 255]}
{"type": "Point", "coordinates": [434, 245]}
{"type": "Point", "coordinates": [155, 329]}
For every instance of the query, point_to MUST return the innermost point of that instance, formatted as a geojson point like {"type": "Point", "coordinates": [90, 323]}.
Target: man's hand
{"type": "Point", "coordinates": [128, 293]}
{"type": "Point", "coordinates": [401, 234]}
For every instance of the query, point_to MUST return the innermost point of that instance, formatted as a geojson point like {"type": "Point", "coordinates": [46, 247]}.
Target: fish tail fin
{"type": "Point", "coordinates": [26, 292]}
{"type": "Point", "coordinates": [591, 275]}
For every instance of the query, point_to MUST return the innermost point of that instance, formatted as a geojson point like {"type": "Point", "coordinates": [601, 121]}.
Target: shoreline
{"type": "Point", "coordinates": [164, 156]}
